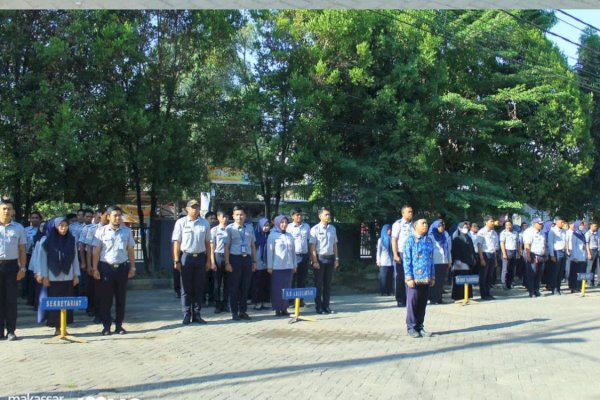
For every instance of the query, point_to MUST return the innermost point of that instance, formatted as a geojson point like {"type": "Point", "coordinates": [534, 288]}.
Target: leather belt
{"type": "Point", "coordinates": [8, 261]}
{"type": "Point", "coordinates": [116, 266]}
{"type": "Point", "coordinates": [194, 254]}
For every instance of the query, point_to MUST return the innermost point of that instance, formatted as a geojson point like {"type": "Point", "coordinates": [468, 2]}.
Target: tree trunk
{"type": "Point", "coordinates": [138, 198]}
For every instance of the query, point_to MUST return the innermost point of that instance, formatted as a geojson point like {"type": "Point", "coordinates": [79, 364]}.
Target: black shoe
{"type": "Point", "coordinates": [187, 318]}
{"type": "Point", "coordinates": [328, 310]}
{"type": "Point", "coordinates": [245, 316]}
{"type": "Point", "coordinates": [277, 313]}
{"type": "Point", "coordinates": [198, 320]}
{"type": "Point", "coordinates": [424, 333]}
{"type": "Point", "coordinates": [11, 336]}
{"type": "Point", "coordinates": [558, 292]}
{"type": "Point", "coordinates": [413, 333]}
{"type": "Point", "coordinates": [537, 294]}
{"type": "Point", "coordinates": [285, 313]}
{"type": "Point", "coordinates": [401, 304]}
{"type": "Point", "coordinates": [319, 311]}
{"type": "Point", "coordinates": [119, 330]}
{"type": "Point", "coordinates": [106, 332]}
{"type": "Point", "coordinates": [235, 317]}
{"type": "Point", "coordinates": [440, 302]}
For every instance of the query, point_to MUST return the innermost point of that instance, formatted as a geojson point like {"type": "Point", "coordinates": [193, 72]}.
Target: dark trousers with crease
{"type": "Point", "coordinates": [400, 284]}
{"type": "Point", "coordinates": [323, 278]}
{"type": "Point", "coordinates": [221, 281]}
{"type": "Point", "coordinates": [193, 278]}
{"type": "Point", "coordinates": [556, 270]}
{"type": "Point", "coordinates": [534, 273]}
{"type": "Point", "coordinates": [485, 274]}
{"type": "Point", "coordinates": [511, 266]}
{"type": "Point", "coordinates": [8, 296]}
{"type": "Point", "coordinates": [301, 275]}
{"type": "Point", "coordinates": [112, 284]}
{"type": "Point", "coordinates": [416, 304]}
{"type": "Point", "coordinates": [239, 283]}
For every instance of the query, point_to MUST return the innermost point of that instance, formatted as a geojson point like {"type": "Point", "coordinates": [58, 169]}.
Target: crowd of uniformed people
{"type": "Point", "coordinates": [91, 253]}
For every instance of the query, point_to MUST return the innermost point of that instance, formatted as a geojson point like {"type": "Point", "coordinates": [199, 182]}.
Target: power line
{"type": "Point", "coordinates": [486, 49]}
{"type": "Point", "coordinates": [546, 31]}
{"type": "Point", "coordinates": [579, 20]}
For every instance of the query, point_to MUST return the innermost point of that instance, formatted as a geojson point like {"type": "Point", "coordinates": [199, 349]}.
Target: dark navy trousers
{"type": "Point", "coordinates": [400, 285]}
{"type": "Point", "coordinates": [323, 278]}
{"type": "Point", "coordinates": [535, 269]}
{"type": "Point", "coordinates": [8, 296]}
{"type": "Point", "coordinates": [239, 283]}
{"type": "Point", "coordinates": [416, 304]}
{"type": "Point", "coordinates": [193, 278]}
{"type": "Point", "coordinates": [221, 281]}
{"type": "Point", "coordinates": [113, 283]}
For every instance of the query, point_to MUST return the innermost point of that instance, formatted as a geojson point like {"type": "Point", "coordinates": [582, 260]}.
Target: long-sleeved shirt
{"type": "Point", "coordinates": [578, 250]}
{"type": "Point", "coordinates": [384, 256]}
{"type": "Point", "coordinates": [281, 252]}
{"type": "Point", "coordinates": [417, 257]}
{"type": "Point", "coordinates": [45, 272]}
{"type": "Point", "coordinates": [439, 257]}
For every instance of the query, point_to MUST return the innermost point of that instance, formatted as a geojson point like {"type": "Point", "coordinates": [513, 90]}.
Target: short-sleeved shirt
{"type": "Point", "coordinates": [301, 235]}
{"type": "Point", "coordinates": [114, 243]}
{"type": "Point", "coordinates": [324, 238]}
{"type": "Point", "coordinates": [489, 240]}
{"type": "Point", "coordinates": [90, 233]}
{"type": "Point", "coordinates": [238, 237]}
{"type": "Point", "coordinates": [218, 238]}
{"type": "Point", "coordinates": [401, 230]}
{"type": "Point", "coordinates": [557, 240]}
{"type": "Point", "coordinates": [510, 239]}
{"type": "Point", "coordinates": [191, 234]}
{"type": "Point", "coordinates": [536, 240]}
{"type": "Point", "coordinates": [75, 230]}
{"type": "Point", "coordinates": [477, 241]}
{"type": "Point", "coordinates": [591, 238]}
{"type": "Point", "coordinates": [11, 236]}
{"type": "Point", "coordinates": [578, 250]}
{"type": "Point", "coordinates": [30, 232]}
{"type": "Point", "coordinates": [83, 233]}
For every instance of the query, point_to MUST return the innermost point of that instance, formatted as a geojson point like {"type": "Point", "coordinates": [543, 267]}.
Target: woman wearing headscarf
{"type": "Point", "coordinates": [58, 266]}
{"type": "Point", "coordinates": [262, 278]}
{"type": "Point", "coordinates": [442, 259]}
{"type": "Point", "coordinates": [385, 261]}
{"type": "Point", "coordinates": [281, 263]}
{"type": "Point", "coordinates": [465, 258]}
{"type": "Point", "coordinates": [577, 254]}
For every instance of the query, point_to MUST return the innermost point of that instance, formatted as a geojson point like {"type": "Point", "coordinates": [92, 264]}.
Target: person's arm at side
{"type": "Point", "coordinates": [209, 262]}
{"type": "Point", "coordinates": [95, 261]}
{"type": "Point", "coordinates": [22, 255]}
{"type": "Point", "coordinates": [378, 255]}
{"type": "Point", "coordinates": [408, 266]}
{"type": "Point", "coordinates": [131, 254]}
{"type": "Point", "coordinates": [76, 269]}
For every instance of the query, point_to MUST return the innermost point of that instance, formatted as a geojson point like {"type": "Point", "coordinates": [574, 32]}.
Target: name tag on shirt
{"type": "Point", "coordinates": [244, 249]}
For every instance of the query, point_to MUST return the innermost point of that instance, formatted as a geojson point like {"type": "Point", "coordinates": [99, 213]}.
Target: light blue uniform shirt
{"type": "Point", "coordinates": [439, 257]}
{"type": "Point", "coordinates": [11, 236]}
{"type": "Point", "coordinates": [578, 250]}
{"type": "Point", "coordinates": [90, 233]}
{"type": "Point", "coordinates": [301, 235]}
{"type": "Point", "coordinates": [30, 232]}
{"type": "Point", "coordinates": [45, 272]}
{"type": "Point", "coordinates": [489, 240]}
{"type": "Point", "coordinates": [324, 238]}
{"type": "Point", "coordinates": [557, 240]}
{"type": "Point", "coordinates": [384, 256]}
{"type": "Point", "coordinates": [591, 238]}
{"type": "Point", "coordinates": [238, 237]}
{"type": "Point", "coordinates": [218, 238]}
{"type": "Point", "coordinates": [281, 253]}
{"type": "Point", "coordinates": [536, 240]}
{"type": "Point", "coordinates": [191, 234]}
{"type": "Point", "coordinates": [114, 243]}
{"type": "Point", "coordinates": [401, 230]}
{"type": "Point", "coordinates": [510, 240]}
{"type": "Point", "coordinates": [75, 230]}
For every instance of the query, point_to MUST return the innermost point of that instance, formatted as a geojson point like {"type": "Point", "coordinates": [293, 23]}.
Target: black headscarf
{"type": "Point", "coordinates": [60, 249]}
{"type": "Point", "coordinates": [462, 246]}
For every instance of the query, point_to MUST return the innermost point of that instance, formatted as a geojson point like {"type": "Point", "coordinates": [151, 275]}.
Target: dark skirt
{"type": "Point", "coordinates": [458, 291]}
{"type": "Point", "coordinates": [386, 280]}
{"type": "Point", "coordinates": [59, 289]}
{"type": "Point", "coordinates": [280, 279]}
{"type": "Point", "coordinates": [262, 282]}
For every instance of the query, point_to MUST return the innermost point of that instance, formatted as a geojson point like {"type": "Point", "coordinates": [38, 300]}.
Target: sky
{"type": "Point", "coordinates": [562, 28]}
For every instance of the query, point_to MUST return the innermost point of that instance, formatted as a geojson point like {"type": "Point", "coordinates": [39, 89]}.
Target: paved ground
{"type": "Point", "coordinates": [511, 348]}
